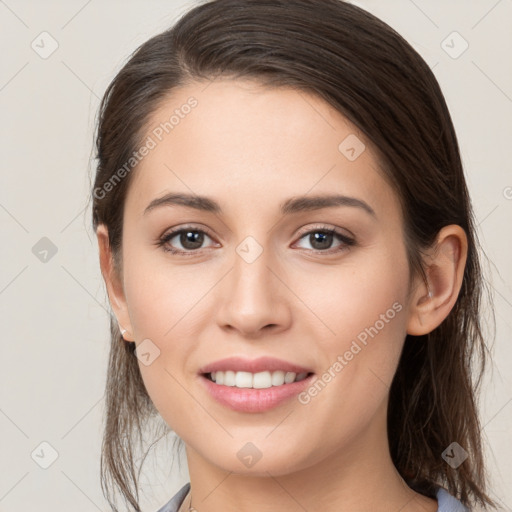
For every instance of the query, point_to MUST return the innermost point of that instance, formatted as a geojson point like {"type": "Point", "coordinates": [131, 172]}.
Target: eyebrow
{"type": "Point", "coordinates": [290, 206]}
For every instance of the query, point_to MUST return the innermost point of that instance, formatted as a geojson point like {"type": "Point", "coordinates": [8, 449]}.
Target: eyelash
{"type": "Point", "coordinates": [346, 241]}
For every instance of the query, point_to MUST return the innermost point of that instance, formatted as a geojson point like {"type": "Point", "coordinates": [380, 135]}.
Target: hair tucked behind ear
{"type": "Point", "coordinates": [372, 76]}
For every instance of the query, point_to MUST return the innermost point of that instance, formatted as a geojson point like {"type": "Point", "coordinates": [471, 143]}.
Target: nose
{"type": "Point", "coordinates": [254, 299]}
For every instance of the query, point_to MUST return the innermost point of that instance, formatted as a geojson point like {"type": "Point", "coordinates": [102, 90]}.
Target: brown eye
{"type": "Point", "coordinates": [191, 239]}
{"type": "Point", "coordinates": [322, 240]}
{"type": "Point", "coordinates": [184, 240]}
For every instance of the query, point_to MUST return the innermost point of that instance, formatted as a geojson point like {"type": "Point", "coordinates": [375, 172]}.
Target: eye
{"type": "Point", "coordinates": [189, 238]}
{"type": "Point", "coordinates": [321, 240]}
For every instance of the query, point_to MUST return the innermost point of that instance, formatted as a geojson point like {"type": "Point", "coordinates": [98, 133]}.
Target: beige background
{"type": "Point", "coordinates": [54, 313]}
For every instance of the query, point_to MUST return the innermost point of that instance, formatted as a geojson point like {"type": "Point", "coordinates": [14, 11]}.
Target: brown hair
{"type": "Point", "coordinates": [372, 76]}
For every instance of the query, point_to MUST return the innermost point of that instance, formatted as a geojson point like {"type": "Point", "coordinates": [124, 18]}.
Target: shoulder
{"type": "Point", "coordinates": [176, 500]}
{"type": "Point", "coordinates": [448, 503]}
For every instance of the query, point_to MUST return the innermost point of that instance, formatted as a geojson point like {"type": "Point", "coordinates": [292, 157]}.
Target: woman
{"type": "Point", "coordinates": [288, 246]}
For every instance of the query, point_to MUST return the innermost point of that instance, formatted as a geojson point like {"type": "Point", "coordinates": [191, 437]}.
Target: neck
{"type": "Point", "coordinates": [360, 476]}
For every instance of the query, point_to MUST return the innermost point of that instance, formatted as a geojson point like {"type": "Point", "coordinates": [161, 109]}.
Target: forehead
{"type": "Point", "coordinates": [240, 141]}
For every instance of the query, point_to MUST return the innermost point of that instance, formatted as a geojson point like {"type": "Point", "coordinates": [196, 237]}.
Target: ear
{"type": "Point", "coordinates": [445, 262]}
{"type": "Point", "coordinates": [113, 282]}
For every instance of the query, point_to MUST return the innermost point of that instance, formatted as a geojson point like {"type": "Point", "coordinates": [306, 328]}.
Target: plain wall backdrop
{"type": "Point", "coordinates": [57, 59]}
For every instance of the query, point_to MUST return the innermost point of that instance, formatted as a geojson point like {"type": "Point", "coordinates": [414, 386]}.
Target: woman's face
{"type": "Point", "coordinates": [259, 276]}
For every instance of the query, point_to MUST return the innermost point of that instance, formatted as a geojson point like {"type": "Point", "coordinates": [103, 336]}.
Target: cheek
{"type": "Point", "coordinates": [162, 297]}
{"type": "Point", "coordinates": [364, 307]}
{"type": "Point", "coordinates": [350, 297]}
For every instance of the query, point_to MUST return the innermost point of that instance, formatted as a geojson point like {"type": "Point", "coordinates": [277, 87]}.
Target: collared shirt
{"type": "Point", "coordinates": [446, 502]}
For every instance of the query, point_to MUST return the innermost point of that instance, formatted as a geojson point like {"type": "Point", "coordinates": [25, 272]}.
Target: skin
{"type": "Point", "coordinates": [249, 148]}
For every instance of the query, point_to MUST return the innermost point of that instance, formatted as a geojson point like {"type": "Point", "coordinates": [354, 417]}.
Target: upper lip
{"type": "Point", "coordinates": [260, 364]}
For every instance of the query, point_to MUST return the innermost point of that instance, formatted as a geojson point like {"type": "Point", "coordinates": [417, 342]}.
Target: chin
{"type": "Point", "coordinates": [249, 460]}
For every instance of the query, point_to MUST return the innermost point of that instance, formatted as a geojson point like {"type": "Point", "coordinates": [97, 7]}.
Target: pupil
{"type": "Point", "coordinates": [191, 239]}
{"type": "Point", "coordinates": [322, 239]}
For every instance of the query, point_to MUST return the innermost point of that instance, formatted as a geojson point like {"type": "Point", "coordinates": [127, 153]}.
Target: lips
{"type": "Point", "coordinates": [253, 399]}
{"type": "Point", "coordinates": [261, 364]}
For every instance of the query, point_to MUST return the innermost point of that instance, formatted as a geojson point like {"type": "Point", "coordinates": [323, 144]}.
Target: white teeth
{"type": "Point", "coordinates": [260, 380]}
{"type": "Point", "coordinates": [229, 378]}
{"type": "Point", "coordinates": [278, 378]}
{"type": "Point", "coordinates": [243, 379]}
{"type": "Point", "coordinates": [289, 377]}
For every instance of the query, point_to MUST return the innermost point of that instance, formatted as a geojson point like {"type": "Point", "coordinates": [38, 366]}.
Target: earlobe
{"type": "Point", "coordinates": [113, 283]}
{"type": "Point", "coordinates": [432, 302]}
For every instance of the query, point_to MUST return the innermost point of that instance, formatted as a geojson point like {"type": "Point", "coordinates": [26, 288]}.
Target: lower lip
{"type": "Point", "coordinates": [254, 400]}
